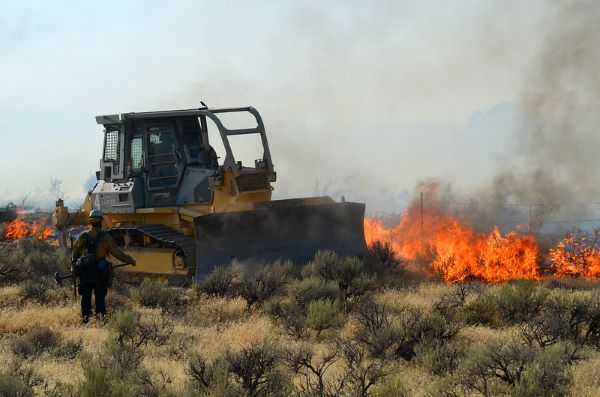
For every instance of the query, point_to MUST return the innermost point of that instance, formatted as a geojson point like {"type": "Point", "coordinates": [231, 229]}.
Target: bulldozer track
{"type": "Point", "coordinates": [166, 236]}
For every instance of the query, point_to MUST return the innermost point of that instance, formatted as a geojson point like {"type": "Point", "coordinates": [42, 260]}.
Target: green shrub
{"type": "Point", "coordinates": [496, 366]}
{"type": "Point", "coordinates": [129, 329]}
{"type": "Point", "coordinates": [519, 300]}
{"type": "Point", "coordinates": [254, 369]}
{"type": "Point", "coordinates": [325, 266]}
{"type": "Point", "coordinates": [322, 314]}
{"type": "Point", "coordinates": [451, 301]}
{"type": "Point", "coordinates": [360, 286]}
{"type": "Point", "coordinates": [152, 293]}
{"type": "Point", "coordinates": [267, 282]}
{"type": "Point", "coordinates": [124, 326]}
{"type": "Point", "coordinates": [361, 372]}
{"type": "Point", "coordinates": [219, 282]}
{"type": "Point", "coordinates": [208, 379]}
{"type": "Point", "coordinates": [29, 257]}
{"type": "Point", "coordinates": [445, 386]}
{"type": "Point", "coordinates": [35, 341]}
{"type": "Point", "coordinates": [291, 315]}
{"type": "Point", "coordinates": [547, 375]}
{"type": "Point", "coordinates": [376, 329]}
{"type": "Point", "coordinates": [311, 302]}
{"type": "Point", "coordinates": [312, 368]}
{"type": "Point", "coordinates": [439, 358]}
{"type": "Point", "coordinates": [430, 327]}
{"type": "Point", "coordinates": [96, 382]}
{"type": "Point", "coordinates": [348, 273]}
{"type": "Point", "coordinates": [381, 342]}
{"type": "Point", "coordinates": [481, 311]}
{"type": "Point", "coordinates": [68, 349]}
{"type": "Point", "coordinates": [383, 253]}
{"type": "Point", "coordinates": [34, 289]}
{"type": "Point", "coordinates": [416, 328]}
{"type": "Point", "coordinates": [100, 381]}
{"type": "Point", "coordinates": [567, 315]}
{"type": "Point", "coordinates": [120, 358]}
{"type": "Point", "coordinates": [511, 366]}
{"type": "Point", "coordinates": [390, 385]}
{"type": "Point", "coordinates": [310, 289]}
{"type": "Point", "coordinates": [14, 386]}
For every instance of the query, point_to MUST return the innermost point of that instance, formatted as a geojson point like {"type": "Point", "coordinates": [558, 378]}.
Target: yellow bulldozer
{"type": "Point", "coordinates": [169, 202]}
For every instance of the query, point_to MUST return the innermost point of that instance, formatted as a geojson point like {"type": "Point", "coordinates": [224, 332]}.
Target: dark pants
{"type": "Point", "coordinates": [100, 289]}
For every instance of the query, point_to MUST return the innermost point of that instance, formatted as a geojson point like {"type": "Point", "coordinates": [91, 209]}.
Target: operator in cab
{"type": "Point", "coordinates": [91, 267]}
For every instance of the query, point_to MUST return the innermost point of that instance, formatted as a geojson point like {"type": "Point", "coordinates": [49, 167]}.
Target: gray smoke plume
{"type": "Point", "coordinates": [557, 164]}
{"type": "Point", "coordinates": [344, 90]}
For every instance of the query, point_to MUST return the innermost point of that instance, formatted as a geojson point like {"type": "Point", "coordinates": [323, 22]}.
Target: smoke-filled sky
{"type": "Point", "coordinates": [362, 99]}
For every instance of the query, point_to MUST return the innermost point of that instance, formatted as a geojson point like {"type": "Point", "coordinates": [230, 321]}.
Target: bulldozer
{"type": "Point", "coordinates": [171, 203]}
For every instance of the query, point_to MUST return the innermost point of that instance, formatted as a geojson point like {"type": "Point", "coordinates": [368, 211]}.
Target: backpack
{"type": "Point", "coordinates": [86, 267]}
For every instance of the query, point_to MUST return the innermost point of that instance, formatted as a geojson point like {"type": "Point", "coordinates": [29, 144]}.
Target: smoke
{"type": "Point", "coordinates": [557, 164]}
{"type": "Point", "coordinates": [375, 92]}
{"type": "Point", "coordinates": [363, 99]}
{"type": "Point", "coordinates": [560, 137]}
{"type": "Point", "coordinates": [548, 181]}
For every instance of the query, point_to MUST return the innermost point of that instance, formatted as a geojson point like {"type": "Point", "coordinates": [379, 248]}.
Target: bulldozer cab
{"type": "Point", "coordinates": [155, 159]}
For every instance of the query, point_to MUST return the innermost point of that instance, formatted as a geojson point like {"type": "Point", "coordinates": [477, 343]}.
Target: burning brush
{"type": "Point", "coordinates": [22, 226]}
{"type": "Point", "coordinates": [456, 252]}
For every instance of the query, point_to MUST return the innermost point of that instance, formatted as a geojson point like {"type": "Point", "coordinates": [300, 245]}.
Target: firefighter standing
{"type": "Point", "coordinates": [89, 258]}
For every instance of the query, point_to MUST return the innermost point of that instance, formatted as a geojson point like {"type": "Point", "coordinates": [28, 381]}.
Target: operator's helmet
{"type": "Point", "coordinates": [95, 216]}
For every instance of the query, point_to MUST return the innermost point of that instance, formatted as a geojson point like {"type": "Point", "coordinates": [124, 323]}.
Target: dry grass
{"type": "Point", "coordinates": [54, 371]}
{"type": "Point", "coordinates": [586, 377]}
{"type": "Point", "coordinates": [10, 296]}
{"type": "Point", "coordinates": [215, 340]}
{"type": "Point", "coordinates": [415, 380]}
{"type": "Point", "coordinates": [209, 311]}
{"type": "Point", "coordinates": [19, 319]}
{"type": "Point", "coordinates": [213, 326]}
{"type": "Point", "coordinates": [422, 297]}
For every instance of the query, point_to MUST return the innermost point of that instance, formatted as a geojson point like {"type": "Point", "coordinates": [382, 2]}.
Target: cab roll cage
{"type": "Point", "coordinates": [229, 162]}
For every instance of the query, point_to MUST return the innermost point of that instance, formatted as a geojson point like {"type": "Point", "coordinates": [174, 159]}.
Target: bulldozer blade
{"type": "Point", "coordinates": [288, 230]}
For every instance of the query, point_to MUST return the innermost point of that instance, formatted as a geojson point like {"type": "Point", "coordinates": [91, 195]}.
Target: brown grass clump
{"type": "Point", "coordinates": [10, 296]}
{"type": "Point", "coordinates": [21, 319]}
{"type": "Point", "coordinates": [586, 376]}
{"type": "Point", "coordinates": [36, 340]}
{"type": "Point", "coordinates": [208, 311]}
{"type": "Point", "coordinates": [214, 340]}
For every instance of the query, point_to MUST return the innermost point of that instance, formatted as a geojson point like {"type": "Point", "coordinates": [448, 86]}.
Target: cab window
{"type": "Point", "coordinates": [162, 159]}
{"type": "Point", "coordinates": [161, 140]}
{"type": "Point", "coordinates": [137, 154]}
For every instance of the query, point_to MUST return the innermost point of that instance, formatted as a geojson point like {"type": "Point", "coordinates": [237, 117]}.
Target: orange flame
{"type": "Point", "coordinates": [454, 250]}
{"type": "Point", "coordinates": [21, 227]}
{"type": "Point", "coordinates": [16, 229]}
{"type": "Point", "coordinates": [578, 254]}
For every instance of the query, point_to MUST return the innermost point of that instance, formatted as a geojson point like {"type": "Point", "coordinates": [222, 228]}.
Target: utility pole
{"type": "Point", "coordinates": [530, 226]}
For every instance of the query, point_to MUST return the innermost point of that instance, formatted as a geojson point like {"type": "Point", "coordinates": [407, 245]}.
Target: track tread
{"type": "Point", "coordinates": [165, 235]}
